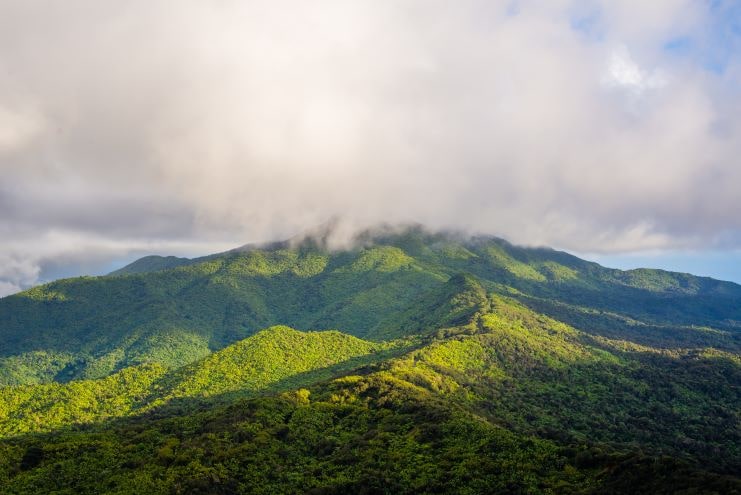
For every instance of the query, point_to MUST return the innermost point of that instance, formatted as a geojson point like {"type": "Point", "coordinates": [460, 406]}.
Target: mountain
{"type": "Point", "coordinates": [277, 358]}
{"type": "Point", "coordinates": [90, 327]}
{"type": "Point", "coordinates": [151, 264]}
{"type": "Point", "coordinates": [459, 365]}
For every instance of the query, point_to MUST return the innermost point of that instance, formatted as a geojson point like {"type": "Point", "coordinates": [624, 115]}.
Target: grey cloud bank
{"type": "Point", "coordinates": [195, 126]}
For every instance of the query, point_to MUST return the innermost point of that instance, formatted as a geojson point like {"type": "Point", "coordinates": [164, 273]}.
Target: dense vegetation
{"type": "Point", "coordinates": [278, 358]}
{"type": "Point", "coordinates": [461, 366]}
{"type": "Point", "coordinates": [174, 311]}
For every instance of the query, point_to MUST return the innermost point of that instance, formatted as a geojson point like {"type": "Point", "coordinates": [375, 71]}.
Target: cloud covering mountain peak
{"type": "Point", "coordinates": [569, 123]}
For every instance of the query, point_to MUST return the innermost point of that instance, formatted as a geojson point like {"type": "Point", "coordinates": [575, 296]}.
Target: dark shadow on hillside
{"type": "Point", "coordinates": [684, 406]}
{"type": "Point", "coordinates": [648, 429]}
{"type": "Point", "coordinates": [357, 365]}
{"type": "Point", "coordinates": [659, 308]}
{"type": "Point", "coordinates": [360, 365]}
{"type": "Point", "coordinates": [617, 326]}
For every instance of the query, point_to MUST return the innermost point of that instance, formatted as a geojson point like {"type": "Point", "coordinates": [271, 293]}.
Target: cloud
{"type": "Point", "coordinates": [17, 128]}
{"type": "Point", "coordinates": [25, 261]}
{"type": "Point", "coordinates": [133, 125]}
{"type": "Point", "coordinates": [16, 272]}
{"type": "Point", "coordinates": [624, 73]}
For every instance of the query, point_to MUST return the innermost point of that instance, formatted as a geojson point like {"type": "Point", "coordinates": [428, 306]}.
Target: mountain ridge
{"type": "Point", "coordinates": [448, 401]}
{"type": "Point", "coordinates": [458, 365]}
{"type": "Point", "coordinates": [90, 327]}
{"type": "Point", "coordinates": [380, 236]}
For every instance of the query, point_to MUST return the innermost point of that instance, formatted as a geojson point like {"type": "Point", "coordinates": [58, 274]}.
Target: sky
{"type": "Point", "coordinates": [610, 129]}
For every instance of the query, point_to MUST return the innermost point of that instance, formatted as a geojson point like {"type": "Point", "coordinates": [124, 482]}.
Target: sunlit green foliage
{"type": "Point", "coordinates": [383, 437]}
{"type": "Point", "coordinates": [428, 422]}
{"type": "Point", "coordinates": [466, 366]}
{"type": "Point", "coordinates": [557, 272]}
{"type": "Point", "coordinates": [381, 259]}
{"type": "Point", "coordinates": [266, 358]}
{"type": "Point", "coordinates": [174, 311]}
{"type": "Point", "coordinates": [50, 406]}
{"type": "Point", "coordinates": [272, 263]}
{"type": "Point", "coordinates": [34, 367]}
{"type": "Point", "coordinates": [278, 358]}
{"type": "Point", "coordinates": [517, 268]}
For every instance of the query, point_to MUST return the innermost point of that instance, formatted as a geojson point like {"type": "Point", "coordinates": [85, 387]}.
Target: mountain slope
{"type": "Point", "coordinates": [277, 358]}
{"type": "Point", "coordinates": [509, 401]}
{"type": "Point", "coordinates": [270, 357]}
{"type": "Point", "coordinates": [90, 327]}
{"type": "Point", "coordinates": [151, 264]}
{"type": "Point", "coordinates": [461, 365]}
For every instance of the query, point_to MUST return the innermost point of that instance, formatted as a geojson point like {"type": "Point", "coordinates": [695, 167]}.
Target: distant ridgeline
{"type": "Point", "coordinates": [457, 365]}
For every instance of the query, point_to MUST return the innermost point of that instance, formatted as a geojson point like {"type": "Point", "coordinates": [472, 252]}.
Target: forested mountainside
{"type": "Point", "coordinates": [176, 311]}
{"type": "Point", "coordinates": [455, 365]}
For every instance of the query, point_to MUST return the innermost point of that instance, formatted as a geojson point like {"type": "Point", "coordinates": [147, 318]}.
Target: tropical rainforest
{"type": "Point", "coordinates": [407, 362]}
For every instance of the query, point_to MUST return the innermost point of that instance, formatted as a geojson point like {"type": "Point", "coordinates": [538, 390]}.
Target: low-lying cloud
{"type": "Point", "coordinates": [582, 124]}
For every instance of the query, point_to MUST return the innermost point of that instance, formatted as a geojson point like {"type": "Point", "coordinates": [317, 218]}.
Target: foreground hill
{"type": "Point", "coordinates": [459, 365]}
{"type": "Point", "coordinates": [278, 358]}
{"type": "Point", "coordinates": [173, 311]}
{"type": "Point", "coordinates": [511, 401]}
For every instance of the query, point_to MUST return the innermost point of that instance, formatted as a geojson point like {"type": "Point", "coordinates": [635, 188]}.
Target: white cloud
{"type": "Point", "coordinates": [17, 270]}
{"type": "Point", "coordinates": [25, 262]}
{"type": "Point", "coordinates": [623, 72]}
{"type": "Point", "coordinates": [138, 122]}
{"type": "Point", "coordinates": [17, 128]}
{"type": "Point", "coordinates": [7, 288]}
